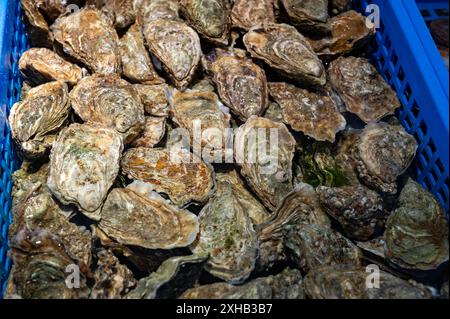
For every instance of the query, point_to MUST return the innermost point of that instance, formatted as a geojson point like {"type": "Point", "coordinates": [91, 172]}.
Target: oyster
{"type": "Point", "coordinates": [36, 120]}
{"type": "Point", "coordinates": [86, 37]}
{"type": "Point", "coordinates": [135, 216]}
{"type": "Point", "coordinates": [417, 231]}
{"type": "Point", "coordinates": [349, 282]}
{"type": "Point", "coordinates": [283, 48]}
{"type": "Point", "coordinates": [363, 90]}
{"type": "Point", "coordinates": [176, 46]}
{"type": "Point", "coordinates": [384, 152]}
{"type": "Point", "coordinates": [210, 18]}
{"type": "Point", "coordinates": [120, 12]}
{"type": "Point", "coordinates": [52, 9]}
{"type": "Point", "coordinates": [112, 279]}
{"type": "Point", "coordinates": [25, 180]}
{"type": "Point", "coordinates": [136, 63]}
{"type": "Point", "coordinates": [444, 291]}
{"type": "Point", "coordinates": [42, 266]}
{"type": "Point", "coordinates": [338, 6]}
{"type": "Point", "coordinates": [150, 10]}
{"type": "Point", "coordinates": [39, 34]}
{"type": "Point", "coordinates": [357, 209]}
{"type": "Point", "coordinates": [313, 113]}
{"type": "Point", "coordinates": [248, 13]}
{"type": "Point", "coordinates": [109, 101]}
{"type": "Point", "coordinates": [242, 84]}
{"type": "Point", "coordinates": [155, 129]}
{"type": "Point", "coordinates": [84, 163]}
{"type": "Point", "coordinates": [182, 182]}
{"type": "Point", "coordinates": [313, 246]}
{"type": "Point", "coordinates": [274, 112]}
{"type": "Point", "coordinates": [269, 173]}
{"type": "Point", "coordinates": [439, 31]}
{"type": "Point", "coordinates": [349, 31]}
{"type": "Point", "coordinates": [175, 275]}
{"type": "Point", "coordinates": [41, 65]}
{"type": "Point", "coordinates": [286, 285]}
{"type": "Point", "coordinates": [154, 99]}
{"type": "Point", "coordinates": [227, 232]}
{"type": "Point", "coordinates": [309, 15]}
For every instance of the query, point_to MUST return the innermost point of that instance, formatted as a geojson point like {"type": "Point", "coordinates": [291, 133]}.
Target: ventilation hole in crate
{"type": "Point", "coordinates": [415, 110]}
{"type": "Point", "coordinates": [382, 60]}
{"type": "Point", "coordinates": [441, 12]}
{"type": "Point", "coordinates": [401, 75]}
{"type": "Point", "coordinates": [440, 166]}
{"type": "Point", "coordinates": [428, 183]}
{"type": "Point", "coordinates": [409, 123]}
{"type": "Point", "coordinates": [426, 157]}
{"type": "Point", "coordinates": [424, 129]}
{"type": "Point", "coordinates": [388, 43]}
{"type": "Point", "coordinates": [394, 59]}
{"type": "Point", "coordinates": [443, 194]}
{"type": "Point", "coordinates": [425, 13]}
{"type": "Point", "coordinates": [432, 147]}
{"type": "Point", "coordinates": [388, 75]}
{"type": "Point", "coordinates": [408, 92]}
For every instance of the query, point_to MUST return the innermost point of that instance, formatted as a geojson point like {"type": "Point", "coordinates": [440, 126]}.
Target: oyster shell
{"type": "Point", "coordinates": [242, 84]}
{"type": "Point", "coordinates": [416, 234]}
{"type": "Point", "coordinates": [136, 63]}
{"type": "Point", "coordinates": [150, 10]}
{"type": "Point", "coordinates": [41, 65]}
{"type": "Point", "coordinates": [349, 282]}
{"type": "Point", "coordinates": [112, 279]}
{"type": "Point", "coordinates": [39, 34]}
{"type": "Point", "coordinates": [356, 208]}
{"type": "Point", "coordinates": [227, 232]}
{"type": "Point", "coordinates": [248, 13]}
{"type": "Point", "coordinates": [363, 90]}
{"type": "Point", "coordinates": [283, 48]}
{"type": "Point", "coordinates": [310, 15]}
{"type": "Point", "coordinates": [109, 101]}
{"type": "Point", "coordinates": [52, 9]}
{"type": "Point", "coordinates": [269, 175]}
{"type": "Point", "coordinates": [133, 217]}
{"type": "Point", "coordinates": [210, 18]}
{"type": "Point", "coordinates": [155, 129]}
{"type": "Point", "coordinates": [338, 6]}
{"type": "Point", "coordinates": [439, 31]}
{"type": "Point", "coordinates": [349, 31]}
{"type": "Point", "coordinates": [85, 36]}
{"type": "Point", "coordinates": [182, 182]}
{"type": "Point", "coordinates": [120, 12]}
{"type": "Point", "coordinates": [444, 291]}
{"type": "Point", "coordinates": [36, 120]}
{"type": "Point", "coordinates": [286, 285]}
{"type": "Point", "coordinates": [313, 113]}
{"type": "Point", "coordinates": [25, 180]}
{"type": "Point", "coordinates": [84, 163]}
{"type": "Point", "coordinates": [384, 152]}
{"type": "Point", "coordinates": [274, 112]}
{"type": "Point", "coordinates": [175, 275]}
{"type": "Point", "coordinates": [176, 46]}
{"type": "Point", "coordinates": [154, 99]}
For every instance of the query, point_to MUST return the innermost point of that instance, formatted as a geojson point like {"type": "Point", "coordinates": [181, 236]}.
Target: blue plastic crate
{"type": "Point", "coordinates": [404, 54]}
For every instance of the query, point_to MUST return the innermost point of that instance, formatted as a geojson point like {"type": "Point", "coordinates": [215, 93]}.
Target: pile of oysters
{"type": "Point", "coordinates": [101, 208]}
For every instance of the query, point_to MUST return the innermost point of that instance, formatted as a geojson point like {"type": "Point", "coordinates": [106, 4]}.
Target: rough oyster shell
{"type": "Point", "coordinates": [338, 6]}
{"type": "Point", "coordinates": [444, 291]}
{"type": "Point", "coordinates": [120, 12]}
{"type": "Point", "coordinates": [384, 152]}
{"type": "Point", "coordinates": [39, 34]}
{"type": "Point", "coordinates": [52, 9]}
{"type": "Point", "coordinates": [286, 285]}
{"type": "Point", "coordinates": [109, 101]}
{"type": "Point", "coordinates": [35, 120]}
{"type": "Point", "coordinates": [416, 234]}
{"type": "Point", "coordinates": [310, 15]}
{"type": "Point", "coordinates": [266, 164]}
{"type": "Point", "coordinates": [25, 180]}
{"type": "Point", "coordinates": [248, 13]}
{"type": "Point", "coordinates": [175, 275]}
{"type": "Point", "coordinates": [150, 10]}
{"type": "Point", "coordinates": [242, 84]}
{"type": "Point", "coordinates": [313, 113]}
{"type": "Point", "coordinates": [349, 282]}
{"type": "Point", "coordinates": [210, 18]}
{"type": "Point", "coordinates": [439, 31]}
{"type": "Point", "coordinates": [349, 31]}
{"type": "Point", "coordinates": [131, 217]}
{"type": "Point", "coordinates": [136, 63]}
{"type": "Point", "coordinates": [41, 65]}
{"type": "Point", "coordinates": [176, 46]}
{"type": "Point", "coordinates": [85, 36]}
{"type": "Point", "coordinates": [357, 209]}
{"type": "Point", "coordinates": [274, 112]}
{"type": "Point", "coordinates": [84, 163]}
{"type": "Point", "coordinates": [155, 129]}
{"type": "Point", "coordinates": [154, 99]}
{"type": "Point", "coordinates": [283, 48]}
{"type": "Point", "coordinates": [363, 90]}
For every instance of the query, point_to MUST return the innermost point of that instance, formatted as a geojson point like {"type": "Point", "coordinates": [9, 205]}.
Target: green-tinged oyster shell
{"type": "Point", "coordinates": [248, 13]}
{"type": "Point", "coordinates": [308, 15]}
{"type": "Point", "coordinates": [417, 231]}
{"type": "Point", "coordinates": [154, 99]}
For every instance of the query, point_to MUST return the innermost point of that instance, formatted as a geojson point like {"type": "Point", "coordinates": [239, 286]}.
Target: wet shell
{"type": "Point", "coordinates": [349, 282]}
{"type": "Point", "coordinates": [177, 47]}
{"type": "Point", "coordinates": [136, 63]}
{"type": "Point", "coordinates": [155, 129]}
{"type": "Point", "coordinates": [109, 101]}
{"type": "Point", "coordinates": [283, 48]}
{"type": "Point", "coordinates": [36, 119]}
{"type": "Point", "coordinates": [183, 181]}
{"type": "Point", "coordinates": [154, 99]}
{"type": "Point", "coordinates": [210, 18]}
{"type": "Point", "coordinates": [384, 152]}
{"type": "Point", "coordinates": [242, 84]}
{"type": "Point", "coordinates": [120, 12]}
{"type": "Point", "coordinates": [41, 65]}
{"type": "Point", "coordinates": [39, 33]}
{"type": "Point", "coordinates": [132, 218]}
{"type": "Point", "coordinates": [309, 15]}
{"type": "Point", "coordinates": [363, 90]}
{"type": "Point", "coordinates": [357, 209]}
{"type": "Point", "coordinates": [417, 231]}
{"type": "Point", "coordinates": [175, 276]}
{"type": "Point", "coordinates": [314, 114]}
{"type": "Point", "coordinates": [85, 36]}
{"type": "Point", "coordinates": [84, 163]}
{"type": "Point", "coordinates": [266, 162]}
{"type": "Point", "coordinates": [274, 112]}
{"type": "Point", "coordinates": [148, 11]}
{"type": "Point", "coordinates": [248, 13]}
